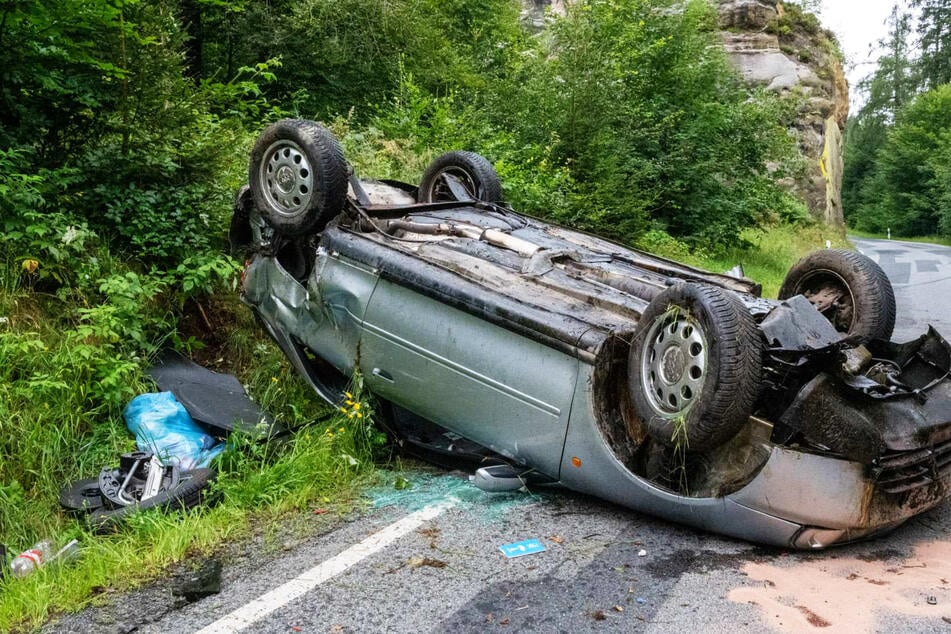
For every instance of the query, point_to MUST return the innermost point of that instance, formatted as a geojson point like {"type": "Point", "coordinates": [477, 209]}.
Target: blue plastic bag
{"type": "Point", "coordinates": [164, 428]}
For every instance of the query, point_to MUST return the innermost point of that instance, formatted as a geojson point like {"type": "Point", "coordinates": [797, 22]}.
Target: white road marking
{"type": "Point", "coordinates": [304, 583]}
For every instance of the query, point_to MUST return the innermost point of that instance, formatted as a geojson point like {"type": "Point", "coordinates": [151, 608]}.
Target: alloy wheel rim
{"type": "Point", "coordinates": [674, 363]}
{"type": "Point", "coordinates": [288, 178]}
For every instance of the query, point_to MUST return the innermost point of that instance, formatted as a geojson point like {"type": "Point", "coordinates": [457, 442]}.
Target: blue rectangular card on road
{"type": "Point", "coordinates": [518, 549]}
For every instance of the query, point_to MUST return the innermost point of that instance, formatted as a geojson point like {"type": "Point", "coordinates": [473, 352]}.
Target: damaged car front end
{"type": "Point", "coordinates": [556, 357]}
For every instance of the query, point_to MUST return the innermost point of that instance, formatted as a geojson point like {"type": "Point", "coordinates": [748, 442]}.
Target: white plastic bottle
{"type": "Point", "coordinates": [29, 560]}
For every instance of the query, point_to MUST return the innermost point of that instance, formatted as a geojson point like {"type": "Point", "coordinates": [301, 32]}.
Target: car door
{"type": "Point", "coordinates": [501, 389]}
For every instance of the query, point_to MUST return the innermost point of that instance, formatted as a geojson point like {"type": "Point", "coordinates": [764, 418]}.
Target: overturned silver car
{"type": "Point", "coordinates": [550, 356]}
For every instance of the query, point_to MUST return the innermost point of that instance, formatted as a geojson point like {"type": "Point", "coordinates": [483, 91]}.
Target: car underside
{"type": "Point", "coordinates": [563, 358]}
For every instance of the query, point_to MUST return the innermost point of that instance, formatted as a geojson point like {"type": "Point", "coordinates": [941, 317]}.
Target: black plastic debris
{"type": "Point", "coordinates": [424, 439]}
{"type": "Point", "coordinates": [200, 583]}
{"type": "Point", "coordinates": [214, 399]}
{"type": "Point", "coordinates": [81, 496]}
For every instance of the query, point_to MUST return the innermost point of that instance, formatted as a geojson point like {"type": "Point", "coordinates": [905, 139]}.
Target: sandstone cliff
{"type": "Point", "coordinates": [785, 50]}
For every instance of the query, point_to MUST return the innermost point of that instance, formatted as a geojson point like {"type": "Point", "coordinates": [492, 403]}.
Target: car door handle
{"type": "Point", "coordinates": [384, 375]}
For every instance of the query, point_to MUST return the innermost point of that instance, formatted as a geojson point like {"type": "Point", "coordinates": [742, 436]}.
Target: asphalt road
{"type": "Point", "coordinates": [604, 568]}
{"type": "Point", "coordinates": [921, 276]}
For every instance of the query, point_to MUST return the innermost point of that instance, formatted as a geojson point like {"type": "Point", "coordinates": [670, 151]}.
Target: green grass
{"type": "Point", "coordinates": [63, 385]}
{"type": "Point", "coordinates": [765, 259]}
{"type": "Point", "coordinates": [325, 465]}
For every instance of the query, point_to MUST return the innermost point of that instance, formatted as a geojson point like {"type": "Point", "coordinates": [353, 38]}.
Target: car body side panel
{"type": "Point", "coordinates": [341, 289]}
{"type": "Point", "coordinates": [326, 315]}
{"type": "Point", "coordinates": [828, 492]}
{"type": "Point", "coordinates": [590, 466]}
{"type": "Point", "coordinates": [507, 392]}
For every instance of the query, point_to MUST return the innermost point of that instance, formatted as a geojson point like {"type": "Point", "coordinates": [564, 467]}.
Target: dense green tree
{"type": "Point", "coordinates": [934, 41]}
{"type": "Point", "coordinates": [623, 116]}
{"type": "Point", "coordinates": [59, 71]}
{"type": "Point", "coordinates": [339, 54]}
{"type": "Point", "coordinates": [639, 100]}
{"type": "Point", "coordinates": [94, 95]}
{"type": "Point", "coordinates": [895, 81]}
{"type": "Point", "coordinates": [893, 144]}
{"type": "Point", "coordinates": [886, 92]}
{"type": "Point", "coordinates": [909, 183]}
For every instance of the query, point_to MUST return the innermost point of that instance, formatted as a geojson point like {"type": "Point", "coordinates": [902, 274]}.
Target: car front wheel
{"type": "Point", "coordinates": [694, 367]}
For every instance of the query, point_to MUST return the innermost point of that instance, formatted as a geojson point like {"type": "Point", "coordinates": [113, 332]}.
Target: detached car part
{"type": "Point", "coordinates": [215, 400]}
{"type": "Point", "coordinates": [494, 338]}
{"type": "Point", "coordinates": [139, 483]}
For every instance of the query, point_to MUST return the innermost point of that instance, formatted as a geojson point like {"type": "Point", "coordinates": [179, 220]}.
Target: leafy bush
{"type": "Point", "coordinates": [637, 104]}
{"type": "Point", "coordinates": [621, 118]}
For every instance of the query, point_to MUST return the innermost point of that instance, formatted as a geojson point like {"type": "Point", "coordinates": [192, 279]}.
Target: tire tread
{"type": "Point", "coordinates": [871, 289]}
{"type": "Point", "coordinates": [479, 167]}
{"type": "Point", "coordinates": [736, 346]}
{"type": "Point", "coordinates": [331, 175]}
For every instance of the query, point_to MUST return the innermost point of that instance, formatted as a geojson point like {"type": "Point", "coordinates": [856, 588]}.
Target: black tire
{"type": "Point", "coordinates": [298, 176]}
{"type": "Point", "coordinates": [694, 366]}
{"type": "Point", "coordinates": [867, 301]}
{"type": "Point", "coordinates": [82, 496]}
{"type": "Point", "coordinates": [191, 491]}
{"type": "Point", "coordinates": [472, 172]}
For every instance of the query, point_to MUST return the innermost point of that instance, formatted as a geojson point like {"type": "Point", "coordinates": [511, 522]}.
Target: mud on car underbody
{"type": "Point", "coordinates": [494, 337]}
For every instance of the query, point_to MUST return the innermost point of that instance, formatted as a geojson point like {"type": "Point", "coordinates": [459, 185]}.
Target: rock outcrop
{"type": "Point", "coordinates": [787, 51]}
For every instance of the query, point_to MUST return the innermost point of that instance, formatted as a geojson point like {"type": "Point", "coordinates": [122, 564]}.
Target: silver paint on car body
{"type": "Point", "coordinates": [538, 407]}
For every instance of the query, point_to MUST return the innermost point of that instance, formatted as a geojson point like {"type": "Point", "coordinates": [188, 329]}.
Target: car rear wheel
{"type": "Point", "coordinates": [848, 288]}
{"type": "Point", "coordinates": [298, 176]}
{"type": "Point", "coordinates": [695, 367]}
{"type": "Point", "coordinates": [460, 176]}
